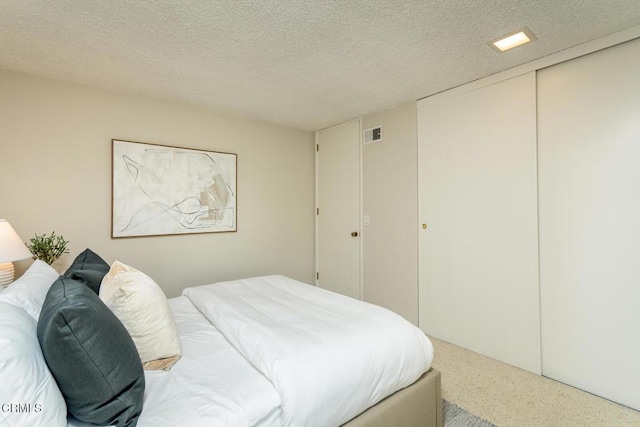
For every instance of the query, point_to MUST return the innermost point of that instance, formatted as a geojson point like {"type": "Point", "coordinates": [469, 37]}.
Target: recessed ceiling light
{"type": "Point", "coordinates": [513, 39]}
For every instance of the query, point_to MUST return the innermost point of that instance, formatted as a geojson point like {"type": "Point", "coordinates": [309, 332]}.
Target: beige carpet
{"type": "Point", "coordinates": [508, 396]}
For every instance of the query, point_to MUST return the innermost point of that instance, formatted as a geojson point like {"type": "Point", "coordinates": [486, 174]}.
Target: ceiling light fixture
{"type": "Point", "coordinates": [513, 39]}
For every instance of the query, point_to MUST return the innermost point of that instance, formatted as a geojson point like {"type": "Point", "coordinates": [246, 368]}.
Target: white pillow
{"type": "Point", "coordinates": [29, 394]}
{"type": "Point", "coordinates": [143, 309]}
{"type": "Point", "coordinates": [30, 290]}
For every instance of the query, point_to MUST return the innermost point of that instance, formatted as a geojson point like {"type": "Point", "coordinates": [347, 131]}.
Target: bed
{"type": "Point", "coordinates": [270, 351]}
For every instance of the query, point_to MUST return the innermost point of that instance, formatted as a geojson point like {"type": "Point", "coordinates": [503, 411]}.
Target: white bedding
{"type": "Point", "coordinates": [274, 352]}
{"type": "Point", "coordinates": [328, 356]}
{"type": "Point", "coordinates": [211, 385]}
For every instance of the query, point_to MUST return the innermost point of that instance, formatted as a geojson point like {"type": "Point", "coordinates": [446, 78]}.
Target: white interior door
{"type": "Point", "coordinates": [338, 203]}
{"type": "Point", "coordinates": [478, 272]}
{"type": "Point", "coordinates": [589, 180]}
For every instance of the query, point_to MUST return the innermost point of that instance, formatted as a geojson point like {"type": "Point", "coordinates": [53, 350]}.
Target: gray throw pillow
{"type": "Point", "coordinates": [91, 356]}
{"type": "Point", "coordinates": [88, 268]}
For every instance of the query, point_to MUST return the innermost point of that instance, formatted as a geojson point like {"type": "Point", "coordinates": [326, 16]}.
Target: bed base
{"type": "Point", "coordinates": [419, 405]}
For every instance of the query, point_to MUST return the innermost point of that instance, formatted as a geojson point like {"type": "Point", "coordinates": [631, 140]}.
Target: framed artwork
{"type": "Point", "coordinates": [164, 190]}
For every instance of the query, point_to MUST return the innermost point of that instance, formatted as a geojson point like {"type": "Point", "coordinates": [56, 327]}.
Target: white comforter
{"type": "Point", "coordinates": [328, 356]}
{"type": "Point", "coordinates": [211, 385]}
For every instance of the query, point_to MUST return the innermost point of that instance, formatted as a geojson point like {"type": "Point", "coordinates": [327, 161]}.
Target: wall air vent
{"type": "Point", "coordinates": [373, 135]}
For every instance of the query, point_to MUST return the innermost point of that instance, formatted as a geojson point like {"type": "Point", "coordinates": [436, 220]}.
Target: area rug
{"type": "Point", "coordinates": [455, 416]}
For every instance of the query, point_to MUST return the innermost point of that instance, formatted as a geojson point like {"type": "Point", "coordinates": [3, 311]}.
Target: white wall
{"type": "Point", "coordinates": [55, 169]}
{"type": "Point", "coordinates": [390, 242]}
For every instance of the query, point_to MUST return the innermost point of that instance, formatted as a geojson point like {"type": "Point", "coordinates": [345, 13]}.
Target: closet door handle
{"type": "Point", "coordinates": [354, 234]}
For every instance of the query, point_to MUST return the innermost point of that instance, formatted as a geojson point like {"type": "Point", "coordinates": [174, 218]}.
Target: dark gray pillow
{"type": "Point", "coordinates": [91, 355]}
{"type": "Point", "coordinates": [88, 268]}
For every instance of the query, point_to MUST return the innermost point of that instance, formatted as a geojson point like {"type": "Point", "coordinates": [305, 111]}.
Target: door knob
{"type": "Point", "coordinates": [424, 226]}
{"type": "Point", "coordinates": [354, 234]}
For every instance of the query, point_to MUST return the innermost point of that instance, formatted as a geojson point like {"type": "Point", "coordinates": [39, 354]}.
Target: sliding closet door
{"type": "Point", "coordinates": [478, 270]}
{"type": "Point", "coordinates": [589, 185]}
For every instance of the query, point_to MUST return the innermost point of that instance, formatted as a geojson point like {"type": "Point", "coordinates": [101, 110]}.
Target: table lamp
{"type": "Point", "coordinates": [11, 249]}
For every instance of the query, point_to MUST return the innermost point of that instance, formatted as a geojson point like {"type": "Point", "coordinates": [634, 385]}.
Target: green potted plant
{"type": "Point", "coordinates": [48, 248]}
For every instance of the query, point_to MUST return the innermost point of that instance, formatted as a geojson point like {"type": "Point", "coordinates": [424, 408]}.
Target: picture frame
{"type": "Point", "coordinates": [160, 190]}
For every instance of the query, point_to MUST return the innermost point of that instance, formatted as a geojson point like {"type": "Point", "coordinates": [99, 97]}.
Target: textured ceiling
{"type": "Point", "coordinates": [306, 64]}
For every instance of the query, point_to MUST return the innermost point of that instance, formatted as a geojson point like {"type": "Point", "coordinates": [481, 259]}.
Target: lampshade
{"type": "Point", "coordinates": [11, 249]}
